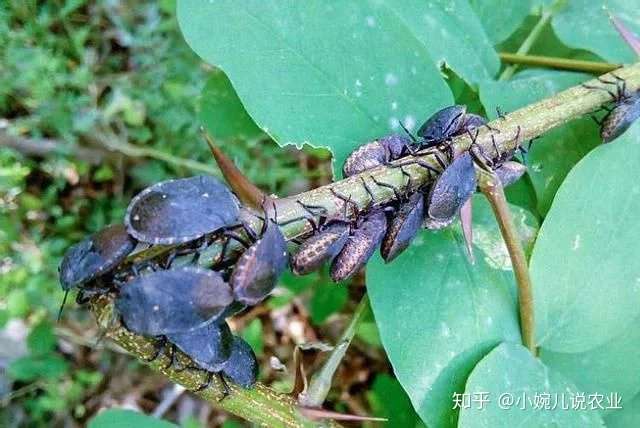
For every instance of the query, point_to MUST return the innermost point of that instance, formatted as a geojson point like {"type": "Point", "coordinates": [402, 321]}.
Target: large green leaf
{"type": "Point", "coordinates": [222, 113]}
{"type": "Point", "coordinates": [585, 24]}
{"type": "Point", "coordinates": [514, 382]}
{"type": "Point", "coordinates": [501, 17]}
{"type": "Point", "coordinates": [628, 417]}
{"type": "Point", "coordinates": [610, 368]}
{"type": "Point", "coordinates": [438, 315]}
{"type": "Point", "coordinates": [334, 73]}
{"type": "Point", "coordinates": [584, 265]}
{"type": "Point", "coordinates": [554, 154]}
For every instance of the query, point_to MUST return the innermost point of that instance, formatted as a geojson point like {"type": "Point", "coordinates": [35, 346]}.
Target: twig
{"type": "Point", "coordinates": [525, 47]}
{"type": "Point", "coordinates": [43, 147]}
{"type": "Point", "coordinates": [593, 67]}
{"type": "Point", "coordinates": [260, 404]}
{"type": "Point", "coordinates": [320, 383]}
{"type": "Point", "coordinates": [491, 187]}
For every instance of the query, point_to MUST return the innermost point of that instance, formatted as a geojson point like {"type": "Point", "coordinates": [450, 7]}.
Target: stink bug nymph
{"type": "Point", "coordinates": [257, 270]}
{"type": "Point", "coordinates": [620, 118]}
{"type": "Point", "coordinates": [178, 211]}
{"type": "Point", "coordinates": [442, 125]}
{"type": "Point", "coordinates": [360, 246]}
{"type": "Point", "coordinates": [242, 365]}
{"type": "Point", "coordinates": [452, 189]}
{"type": "Point", "coordinates": [375, 153]}
{"type": "Point", "coordinates": [321, 247]}
{"type": "Point", "coordinates": [404, 226]}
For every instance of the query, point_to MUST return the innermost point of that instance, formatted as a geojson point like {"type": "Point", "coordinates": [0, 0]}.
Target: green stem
{"type": "Point", "coordinates": [264, 406]}
{"type": "Point", "coordinates": [491, 187]}
{"type": "Point", "coordinates": [320, 383]}
{"type": "Point", "coordinates": [593, 67]}
{"type": "Point", "coordinates": [525, 47]}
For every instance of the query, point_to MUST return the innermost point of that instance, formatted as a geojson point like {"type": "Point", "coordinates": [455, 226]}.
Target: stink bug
{"type": "Point", "coordinates": [173, 301]}
{"type": "Point", "coordinates": [452, 189]}
{"type": "Point", "coordinates": [442, 125]}
{"type": "Point", "coordinates": [257, 270]}
{"type": "Point", "coordinates": [208, 346]}
{"type": "Point", "coordinates": [360, 246]}
{"type": "Point", "coordinates": [242, 365]}
{"type": "Point", "coordinates": [178, 211]}
{"type": "Point", "coordinates": [321, 247]}
{"type": "Point", "coordinates": [618, 120]}
{"type": "Point", "coordinates": [510, 172]}
{"type": "Point", "coordinates": [375, 153]}
{"type": "Point", "coordinates": [403, 227]}
{"type": "Point", "coordinates": [95, 256]}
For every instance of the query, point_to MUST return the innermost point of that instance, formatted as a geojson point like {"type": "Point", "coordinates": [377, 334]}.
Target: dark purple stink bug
{"type": "Point", "coordinates": [620, 118]}
{"type": "Point", "coordinates": [95, 256]}
{"type": "Point", "coordinates": [403, 227]}
{"type": "Point", "coordinates": [321, 247]}
{"type": "Point", "coordinates": [208, 346]}
{"type": "Point", "coordinates": [173, 301]}
{"type": "Point", "coordinates": [242, 365]}
{"type": "Point", "coordinates": [257, 270]}
{"type": "Point", "coordinates": [452, 189]}
{"type": "Point", "coordinates": [178, 211]}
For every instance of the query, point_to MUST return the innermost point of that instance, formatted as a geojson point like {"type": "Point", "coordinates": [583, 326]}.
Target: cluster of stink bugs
{"type": "Point", "coordinates": [185, 305]}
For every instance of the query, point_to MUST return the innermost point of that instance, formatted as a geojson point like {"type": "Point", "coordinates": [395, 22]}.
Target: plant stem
{"type": "Point", "coordinates": [525, 47]}
{"type": "Point", "coordinates": [264, 406]}
{"type": "Point", "coordinates": [320, 383]}
{"type": "Point", "coordinates": [491, 187]}
{"type": "Point", "coordinates": [259, 404]}
{"type": "Point", "coordinates": [593, 67]}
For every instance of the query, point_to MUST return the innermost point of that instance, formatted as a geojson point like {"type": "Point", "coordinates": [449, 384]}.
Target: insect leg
{"type": "Point", "coordinates": [413, 138]}
{"type": "Point", "coordinates": [396, 194]}
{"type": "Point", "coordinates": [158, 347]}
{"type": "Point", "coordinates": [226, 391]}
{"type": "Point", "coordinates": [346, 200]}
{"type": "Point", "coordinates": [500, 113]}
{"type": "Point", "coordinates": [206, 383]}
{"type": "Point", "coordinates": [171, 356]}
{"type": "Point", "coordinates": [369, 192]}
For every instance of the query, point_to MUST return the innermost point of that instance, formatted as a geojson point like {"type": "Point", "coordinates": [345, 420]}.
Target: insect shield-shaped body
{"type": "Point", "coordinates": [375, 153]}
{"type": "Point", "coordinates": [257, 270]}
{"type": "Point", "coordinates": [321, 247]}
{"type": "Point", "coordinates": [178, 211]}
{"type": "Point", "coordinates": [452, 189]}
{"type": "Point", "coordinates": [510, 172]}
{"type": "Point", "coordinates": [404, 226]}
{"type": "Point", "coordinates": [94, 256]}
{"type": "Point", "coordinates": [441, 125]}
{"type": "Point", "coordinates": [242, 365]}
{"type": "Point", "coordinates": [173, 301]}
{"type": "Point", "coordinates": [208, 346]}
{"type": "Point", "coordinates": [620, 118]}
{"type": "Point", "coordinates": [360, 246]}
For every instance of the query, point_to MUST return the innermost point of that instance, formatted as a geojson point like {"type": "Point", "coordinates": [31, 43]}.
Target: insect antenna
{"type": "Point", "coordinates": [64, 300]}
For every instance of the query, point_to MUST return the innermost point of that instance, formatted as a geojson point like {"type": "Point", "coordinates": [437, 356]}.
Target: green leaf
{"type": "Point", "coordinates": [511, 372]}
{"type": "Point", "coordinates": [222, 113]}
{"type": "Point", "coordinates": [388, 400]}
{"type": "Point", "coordinates": [553, 155]}
{"type": "Point", "coordinates": [30, 368]}
{"type": "Point", "coordinates": [586, 281]}
{"type": "Point", "coordinates": [41, 339]}
{"type": "Point", "coordinates": [327, 299]}
{"type": "Point", "coordinates": [585, 24]}
{"type": "Point", "coordinates": [438, 315]}
{"type": "Point", "coordinates": [120, 418]}
{"type": "Point", "coordinates": [500, 18]}
{"type": "Point", "coordinates": [612, 367]}
{"type": "Point", "coordinates": [629, 416]}
{"type": "Point", "coordinates": [329, 73]}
